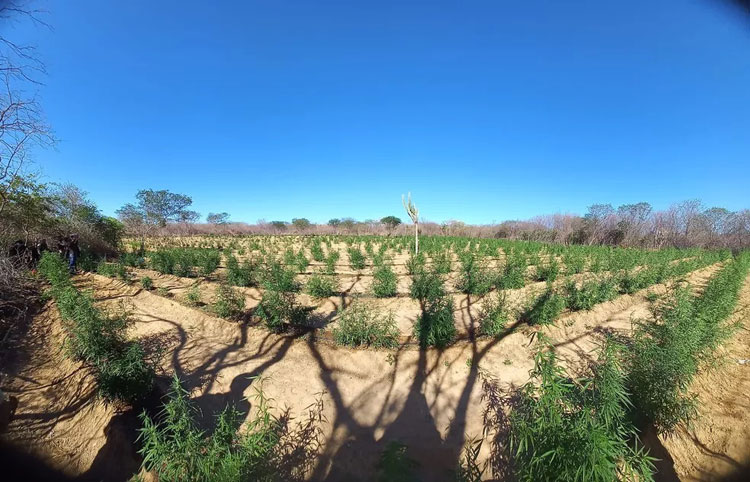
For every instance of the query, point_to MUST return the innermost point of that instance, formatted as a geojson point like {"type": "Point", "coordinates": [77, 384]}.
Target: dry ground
{"type": "Point", "coordinates": [430, 400]}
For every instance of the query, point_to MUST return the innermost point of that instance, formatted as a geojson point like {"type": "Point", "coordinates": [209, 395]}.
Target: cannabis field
{"type": "Point", "coordinates": [356, 358]}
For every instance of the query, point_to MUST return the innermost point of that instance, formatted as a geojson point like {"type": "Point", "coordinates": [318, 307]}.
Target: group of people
{"type": "Point", "coordinates": [28, 254]}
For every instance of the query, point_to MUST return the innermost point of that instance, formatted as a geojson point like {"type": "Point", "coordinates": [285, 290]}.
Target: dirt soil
{"type": "Point", "coordinates": [432, 401]}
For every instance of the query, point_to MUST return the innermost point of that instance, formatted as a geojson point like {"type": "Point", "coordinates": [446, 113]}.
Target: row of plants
{"type": "Point", "coordinates": [98, 338]}
{"type": "Point", "coordinates": [588, 428]}
{"type": "Point", "coordinates": [185, 262]}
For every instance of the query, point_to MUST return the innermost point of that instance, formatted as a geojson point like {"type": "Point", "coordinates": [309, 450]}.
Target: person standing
{"type": "Point", "coordinates": [73, 253]}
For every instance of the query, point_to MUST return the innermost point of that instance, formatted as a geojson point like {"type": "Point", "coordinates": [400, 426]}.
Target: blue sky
{"type": "Point", "coordinates": [485, 111]}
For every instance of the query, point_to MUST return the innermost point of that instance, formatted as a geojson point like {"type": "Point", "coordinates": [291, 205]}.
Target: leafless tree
{"type": "Point", "coordinates": [22, 123]}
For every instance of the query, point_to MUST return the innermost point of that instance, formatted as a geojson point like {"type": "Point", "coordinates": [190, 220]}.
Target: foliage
{"type": "Point", "coordinates": [177, 450]}
{"type": "Point", "coordinates": [435, 326]}
{"type": "Point", "coordinates": [359, 324]}
{"type": "Point", "coordinates": [356, 258]}
{"type": "Point", "coordinates": [147, 283]}
{"type": "Point", "coordinates": [384, 282]}
{"type": "Point", "coordinates": [185, 262]}
{"type": "Point", "coordinates": [241, 275]}
{"type": "Point", "coordinates": [278, 309]}
{"type": "Point", "coordinates": [548, 271]}
{"type": "Point", "coordinates": [495, 315]}
{"type": "Point", "coordinates": [321, 286]}
{"type": "Point", "coordinates": [545, 309]}
{"type": "Point", "coordinates": [229, 302]}
{"type": "Point", "coordinates": [395, 465]}
{"type": "Point", "coordinates": [155, 209]}
{"type": "Point", "coordinates": [474, 278]}
{"type": "Point", "coordinates": [276, 277]}
{"type": "Point", "coordinates": [576, 430]}
{"type": "Point", "coordinates": [513, 276]}
{"type": "Point", "coordinates": [301, 223]}
{"type": "Point", "coordinates": [390, 221]}
{"type": "Point", "coordinates": [331, 260]}
{"type": "Point", "coordinates": [98, 338]}
{"type": "Point", "coordinates": [217, 218]}
{"type": "Point", "coordinates": [426, 286]}
{"type": "Point", "coordinates": [112, 270]}
{"type": "Point", "coordinates": [193, 295]}
{"type": "Point", "coordinates": [589, 293]}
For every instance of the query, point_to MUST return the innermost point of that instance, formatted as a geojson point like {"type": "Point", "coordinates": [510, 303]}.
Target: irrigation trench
{"type": "Point", "coordinates": [430, 400]}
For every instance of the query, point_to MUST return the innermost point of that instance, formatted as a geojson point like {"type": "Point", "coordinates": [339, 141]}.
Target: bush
{"type": "Point", "coordinates": [395, 465]}
{"type": "Point", "coordinates": [193, 295]}
{"type": "Point", "coordinates": [548, 271]}
{"type": "Point", "coordinates": [495, 316]}
{"type": "Point", "coordinates": [331, 260]}
{"type": "Point", "coordinates": [356, 258]}
{"type": "Point", "coordinates": [473, 276]}
{"type": "Point", "coordinates": [229, 302]}
{"type": "Point", "coordinates": [147, 283]}
{"type": "Point", "coordinates": [97, 338]}
{"type": "Point", "coordinates": [513, 275]}
{"type": "Point", "coordinates": [359, 324]}
{"type": "Point", "coordinates": [316, 251]}
{"type": "Point", "coordinates": [184, 261]}
{"type": "Point", "coordinates": [277, 277]}
{"type": "Point", "coordinates": [241, 275]}
{"type": "Point", "coordinates": [415, 263]}
{"type": "Point", "coordinates": [125, 376]}
{"type": "Point", "coordinates": [545, 309]}
{"type": "Point", "coordinates": [132, 259]}
{"type": "Point", "coordinates": [441, 262]}
{"type": "Point", "coordinates": [321, 286]}
{"type": "Point", "coordinates": [384, 282]}
{"type": "Point", "coordinates": [589, 293]}
{"type": "Point", "coordinates": [435, 326]}
{"type": "Point", "coordinates": [112, 270]}
{"type": "Point", "coordinates": [176, 450]}
{"type": "Point", "coordinates": [576, 430]}
{"type": "Point", "coordinates": [426, 285]}
{"type": "Point", "coordinates": [277, 308]}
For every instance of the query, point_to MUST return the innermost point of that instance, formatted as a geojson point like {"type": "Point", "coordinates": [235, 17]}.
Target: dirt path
{"type": "Point", "coordinates": [718, 445]}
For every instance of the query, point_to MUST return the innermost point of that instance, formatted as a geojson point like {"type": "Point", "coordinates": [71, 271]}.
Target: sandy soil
{"type": "Point", "coordinates": [430, 400]}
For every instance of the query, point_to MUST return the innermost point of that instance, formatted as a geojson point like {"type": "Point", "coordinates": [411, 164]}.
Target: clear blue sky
{"type": "Point", "coordinates": [483, 110]}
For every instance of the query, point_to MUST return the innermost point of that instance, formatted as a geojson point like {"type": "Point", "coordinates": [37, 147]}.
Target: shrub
{"type": "Point", "coordinates": [147, 283]}
{"type": "Point", "coordinates": [176, 450]}
{"type": "Point", "coordinates": [321, 286]}
{"type": "Point", "coordinates": [277, 308]}
{"type": "Point", "coordinates": [132, 259]}
{"type": "Point", "coordinates": [545, 309]}
{"type": "Point", "coordinates": [356, 258]}
{"type": "Point", "coordinates": [193, 295]}
{"type": "Point", "coordinates": [513, 276]}
{"type": "Point", "coordinates": [441, 262]}
{"type": "Point", "coordinates": [359, 324]}
{"type": "Point", "coordinates": [316, 251]}
{"type": "Point", "coordinates": [548, 271]}
{"type": "Point", "coordinates": [435, 326]}
{"type": "Point", "coordinates": [576, 430]}
{"type": "Point", "coordinates": [426, 285]}
{"type": "Point", "coordinates": [112, 270]}
{"type": "Point", "coordinates": [395, 465]}
{"type": "Point", "coordinates": [589, 293]}
{"type": "Point", "coordinates": [301, 262]}
{"type": "Point", "coordinates": [474, 278]}
{"type": "Point", "coordinates": [241, 275]}
{"type": "Point", "coordinates": [415, 263]}
{"type": "Point", "coordinates": [126, 375]}
{"type": "Point", "coordinates": [229, 302]}
{"type": "Point", "coordinates": [331, 260]}
{"type": "Point", "coordinates": [277, 277]}
{"type": "Point", "coordinates": [384, 282]}
{"type": "Point", "coordinates": [495, 316]}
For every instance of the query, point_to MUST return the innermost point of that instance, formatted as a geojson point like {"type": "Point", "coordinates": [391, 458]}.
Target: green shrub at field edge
{"type": "Point", "coordinates": [495, 315]}
{"type": "Point", "coordinates": [562, 429]}
{"type": "Point", "coordinates": [356, 258]}
{"type": "Point", "coordinates": [147, 283]}
{"type": "Point", "coordinates": [176, 450]}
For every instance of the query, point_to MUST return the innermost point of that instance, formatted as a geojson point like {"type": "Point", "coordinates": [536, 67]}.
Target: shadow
{"type": "Point", "coordinates": [19, 465]}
